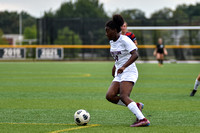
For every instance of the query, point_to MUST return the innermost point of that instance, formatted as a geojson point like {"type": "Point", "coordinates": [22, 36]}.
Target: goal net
{"type": "Point", "coordinates": [182, 42]}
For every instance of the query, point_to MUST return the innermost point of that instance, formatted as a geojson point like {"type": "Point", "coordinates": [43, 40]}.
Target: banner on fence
{"type": "Point", "coordinates": [12, 53]}
{"type": "Point", "coordinates": [49, 53]}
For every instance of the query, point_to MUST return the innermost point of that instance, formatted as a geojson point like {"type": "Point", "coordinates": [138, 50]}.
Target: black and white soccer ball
{"type": "Point", "coordinates": [81, 117]}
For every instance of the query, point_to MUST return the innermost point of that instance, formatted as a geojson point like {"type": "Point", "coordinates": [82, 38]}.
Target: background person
{"type": "Point", "coordinates": [129, 34]}
{"type": "Point", "coordinates": [196, 84]}
{"type": "Point", "coordinates": [160, 51]}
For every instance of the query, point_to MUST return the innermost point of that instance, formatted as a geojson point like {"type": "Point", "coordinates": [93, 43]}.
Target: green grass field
{"type": "Point", "coordinates": [42, 97]}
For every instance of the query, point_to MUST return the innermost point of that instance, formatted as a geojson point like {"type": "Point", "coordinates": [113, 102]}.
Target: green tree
{"type": "Point", "coordinates": [27, 20]}
{"type": "Point", "coordinates": [30, 32]}
{"type": "Point", "coordinates": [2, 40]}
{"type": "Point", "coordinates": [49, 14]}
{"type": "Point", "coordinates": [66, 10]}
{"type": "Point", "coordinates": [190, 15]}
{"type": "Point", "coordinates": [179, 14]}
{"type": "Point", "coordinates": [67, 36]}
{"type": "Point", "coordinates": [190, 10]}
{"type": "Point", "coordinates": [89, 9]}
{"type": "Point", "coordinates": [81, 9]}
{"type": "Point", "coordinates": [82, 16]}
{"type": "Point", "coordinates": [187, 13]}
{"type": "Point", "coordinates": [163, 14]}
{"type": "Point", "coordinates": [133, 14]}
{"type": "Point", "coordinates": [9, 21]}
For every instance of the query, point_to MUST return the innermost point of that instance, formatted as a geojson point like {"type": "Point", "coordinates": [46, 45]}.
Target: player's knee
{"type": "Point", "coordinates": [109, 97]}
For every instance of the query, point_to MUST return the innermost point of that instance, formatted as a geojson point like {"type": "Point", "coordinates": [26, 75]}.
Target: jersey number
{"type": "Point", "coordinates": [115, 54]}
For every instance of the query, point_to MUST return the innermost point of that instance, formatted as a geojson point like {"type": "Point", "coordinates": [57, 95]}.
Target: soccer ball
{"type": "Point", "coordinates": [81, 117]}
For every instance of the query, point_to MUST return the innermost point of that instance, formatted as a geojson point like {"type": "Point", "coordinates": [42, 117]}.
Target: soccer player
{"type": "Point", "coordinates": [129, 34]}
{"type": "Point", "coordinates": [124, 71]}
{"type": "Point", "coordinates": [160, 51]}
{"type": "Point", "coordinates": [196, 84]}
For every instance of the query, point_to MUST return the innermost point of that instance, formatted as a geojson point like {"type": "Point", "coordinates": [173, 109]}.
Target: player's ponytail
{"type": "Point", "coordinates": [116, 22]}
{"type": "Point", "coordinates": [119, 21]}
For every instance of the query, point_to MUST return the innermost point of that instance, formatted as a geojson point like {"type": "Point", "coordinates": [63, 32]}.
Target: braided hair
{"type": "Point", "coordinates": [116, 22]}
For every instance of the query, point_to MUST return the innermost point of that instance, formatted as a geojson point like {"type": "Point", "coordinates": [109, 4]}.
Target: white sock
{"type": "Point", "coordinates": [133, 108]}
{"type": "Point", "coordinates": [121, 103]}
{"type": "Point", "coordinates": [196, 84]}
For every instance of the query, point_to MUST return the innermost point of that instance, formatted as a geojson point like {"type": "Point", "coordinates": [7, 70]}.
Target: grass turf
{"type": "Point", "coordinates": [43, 96]}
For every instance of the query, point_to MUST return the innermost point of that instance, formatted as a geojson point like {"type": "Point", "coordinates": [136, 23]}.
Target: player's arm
{"type": "Point", "coordinates": [134, 38]}
{"type": "Point", "coordinates": [133, 58]}
{"type": "Point", "coordinates": [154, 52]}
{"type": "Point", "coordinates": [165, 51]}
{"type": "Point", "coordinates": [113, 71]}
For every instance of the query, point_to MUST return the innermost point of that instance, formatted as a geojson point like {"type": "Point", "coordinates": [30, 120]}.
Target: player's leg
{"type": "Point", "coordinates": [112, 94]}
{"type": "Point", "coordinates": [125, 90]}
{"type": "Point", "coordinates": [161, 58]}
{"type": "Point", "coordinates": [198, 77]}
{"type": "Point", "coordinates": [196, 84]}
{"type": "Point", "coordinates": [158, 57]}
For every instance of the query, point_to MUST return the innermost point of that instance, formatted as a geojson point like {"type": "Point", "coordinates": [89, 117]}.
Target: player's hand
{"type": "Point", "coordinates": [155, 52]}
{"type": "Point", "coordinates": [120, 70]}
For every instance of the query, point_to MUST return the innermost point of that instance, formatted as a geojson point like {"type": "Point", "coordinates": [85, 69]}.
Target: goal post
{"type": "Point", "coordinates": [163, 27]}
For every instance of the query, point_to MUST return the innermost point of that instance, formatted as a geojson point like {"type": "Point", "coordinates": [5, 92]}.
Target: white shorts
{"type": "Point", "coordinates": [127, 76]}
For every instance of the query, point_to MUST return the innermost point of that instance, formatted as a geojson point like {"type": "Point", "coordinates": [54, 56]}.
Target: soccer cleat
{"type": "Point", "coordinates": [193, 92]}
{"type": "Point", "coordinates": [141, 123]}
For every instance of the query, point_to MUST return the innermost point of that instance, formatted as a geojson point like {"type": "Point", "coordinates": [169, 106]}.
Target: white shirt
{"type": "Point", "coordinates": [120, 50]}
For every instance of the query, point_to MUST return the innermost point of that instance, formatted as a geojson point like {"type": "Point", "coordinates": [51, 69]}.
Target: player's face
{"type": "Point", "coordinates": [160, 41]}
{"type": "Point", "coordinates": [124, 28]}
{"type": "Point", "coordinates": [110, 33]}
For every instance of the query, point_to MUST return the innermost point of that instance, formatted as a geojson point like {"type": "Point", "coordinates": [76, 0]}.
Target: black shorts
{"type": "Point", "coordinates": [160, 51]}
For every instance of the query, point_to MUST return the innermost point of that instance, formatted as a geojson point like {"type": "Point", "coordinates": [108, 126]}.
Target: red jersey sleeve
{"type": "Point", "coordinates": [131, 36]}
